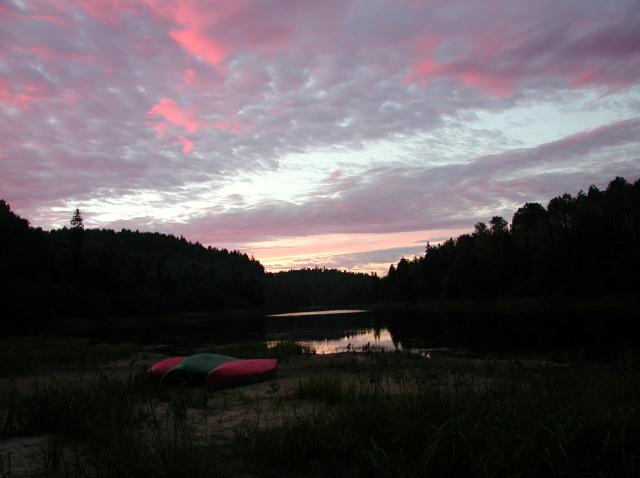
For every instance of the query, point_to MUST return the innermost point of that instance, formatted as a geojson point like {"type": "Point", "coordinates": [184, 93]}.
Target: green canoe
{"type": "Point", "coordinates": [195, 368]}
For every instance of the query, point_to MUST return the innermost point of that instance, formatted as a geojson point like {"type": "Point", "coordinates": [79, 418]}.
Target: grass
{"type": "Point", "coordinates": [110, 428]}
{"type": "Point", "coordinates": [109, 424]}
{"type": "Point", "coordinates": [281, 349]}
{"type": "Point", "coordinates": [324, 388]}
{"type": "Point", "coordinates": [496, 422]}
{"type": "Point", "coordinates": [367, 414]}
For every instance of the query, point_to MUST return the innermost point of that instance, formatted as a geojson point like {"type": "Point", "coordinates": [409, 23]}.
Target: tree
{"type": "Point", "coordinates": [76, 220]}
{"type": "Point", "coordinates": [561, 211]}
{"type": "Point", "coordinates": [498, 225]}
{"type": "Point", "coordinates": [480, 229]}
{"type": "Point", "coordinates": [528, 217]}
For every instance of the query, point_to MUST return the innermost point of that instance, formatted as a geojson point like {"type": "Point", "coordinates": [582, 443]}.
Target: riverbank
{"type": "Point", "coordinates": [371, 413]}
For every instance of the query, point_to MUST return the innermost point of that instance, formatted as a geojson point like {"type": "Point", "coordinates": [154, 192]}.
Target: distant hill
{"type": "Point", "coordinates": [320, 286]}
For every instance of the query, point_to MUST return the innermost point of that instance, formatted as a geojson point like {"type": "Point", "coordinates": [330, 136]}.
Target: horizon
{"type": "Point", "coordinates": [379, 273]}
{"type": "Point", "coordinates": [248, 127]}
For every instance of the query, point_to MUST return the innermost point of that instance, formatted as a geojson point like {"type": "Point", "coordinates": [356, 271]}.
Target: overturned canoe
{"type": "Point", "coordinates": [195, 368]}
{"type": "Point", "coordinates": [158, 369]}
{"type": "Point", "coordinates": [241, 372]}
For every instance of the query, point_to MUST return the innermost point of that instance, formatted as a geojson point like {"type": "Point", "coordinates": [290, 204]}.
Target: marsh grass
{"type": "Point", "coordinates": [110, 427]}
{"type": "Point", "coordinates": [324, 388]}
{"type": "Point", "coordinates": [285, 349]}
{"type": "Point", "coordinates": [549, 421]}
{"type": "Point", "coordinates": [5, 464]}
{"type": "Point", "coordinates": [280, 349]}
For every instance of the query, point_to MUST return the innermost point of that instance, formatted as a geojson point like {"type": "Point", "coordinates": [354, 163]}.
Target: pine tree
{"type": "Point", "coordinates": [76, 220]}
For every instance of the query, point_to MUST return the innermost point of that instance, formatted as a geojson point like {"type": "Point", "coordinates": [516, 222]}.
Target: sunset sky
{"type": "Point", "coordinates": [343, 133]}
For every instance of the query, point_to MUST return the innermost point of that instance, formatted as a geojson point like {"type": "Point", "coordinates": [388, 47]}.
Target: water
{"type": "Point", "coordinates": [359, 335]}
{"type": "Point", "coordinates": [482, 333]}
{"type": "Point", "coordinates": [342, 330]}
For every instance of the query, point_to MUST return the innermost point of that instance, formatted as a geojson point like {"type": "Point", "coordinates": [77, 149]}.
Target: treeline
{"type": "Point", "coordinates": [586, 244]}
{"type": "Point", "coordinates": [77, 272]}
{"type": "Point", "coordinates": [73, 272]}
{"type": "Point", "coordinates": [320, 286]}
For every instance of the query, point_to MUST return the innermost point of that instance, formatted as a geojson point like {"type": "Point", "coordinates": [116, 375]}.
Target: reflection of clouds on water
{"type": "Point", "coordinates": [319, 312]}
{"type": "Point", "coordinates": [345, 330]}
{"type": "Point", "coordinates": [377, 338]}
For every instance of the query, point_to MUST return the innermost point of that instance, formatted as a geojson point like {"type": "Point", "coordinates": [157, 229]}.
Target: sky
{"type": "Point", "coordinates": [337, 133]}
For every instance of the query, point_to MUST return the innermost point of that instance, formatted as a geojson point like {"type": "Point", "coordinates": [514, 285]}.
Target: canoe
{"type": "Point", "coordinates": [195, 368]}
{"type": "Point", "coordinates": [158, 369]}
{"type": "Point", "coordinates": [241, 372]}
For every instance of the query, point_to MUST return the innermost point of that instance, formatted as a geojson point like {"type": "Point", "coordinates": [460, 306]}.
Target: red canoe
{"type": "Point", "coordinates": [158, 369]}
{"type": "Point", "coordinates": [241, 372]}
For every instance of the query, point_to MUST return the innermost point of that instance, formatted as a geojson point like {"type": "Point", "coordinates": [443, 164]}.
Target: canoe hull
{"type": "Point", "coordinates": [158, 369]}
{"type": "Point", "coordinates": [193, 369]}
{"type": "Point", "coordinates": [241, 372]}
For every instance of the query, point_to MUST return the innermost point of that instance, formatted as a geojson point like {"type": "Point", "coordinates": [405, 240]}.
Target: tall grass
{"type": "Point", "coordinates": [372, 414]}
{"type": "Point", "coordinates": [325, 388]}
{"type": "Point", "coordinates": [110, 428]}
{"type": "Point", "coordinates": [547, 422]}
{"type": "Point", "coordinates": [280, 349]}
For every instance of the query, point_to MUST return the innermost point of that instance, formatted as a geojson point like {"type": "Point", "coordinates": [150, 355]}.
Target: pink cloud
{"type": "Point", "coordinates": [21, 95]}
{"type": "Point", "coordinates": [514, 48]}
{"type": "Point", "coordinates": [174, 114]}
{"type": "Point", "coordinates": [198, 44]}
{"type": "Point", "coordinates": [108, 11]}
{"type": "Point", "coordinates": [196, 23]}
{"type": "Point", "coordinates": [214, 31]}
{"type": "Point", "coordinates": [232, 126]}
{"type": "Point", "coordinates": [187, 144]}
{"type": "Point", "coordinates": [248, 83]}
{"type": "Point", "coordinates": [189, 76]}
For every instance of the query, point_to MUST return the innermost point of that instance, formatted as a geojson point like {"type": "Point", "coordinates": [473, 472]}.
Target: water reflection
{"type": "Point", "coordinates": [320, 312]}
{"type": "Point", "coordinates": [372, 338]}
{"type": "Point", "coordinates": [556, 335]}
{"type": "Point", "coordinates": [335, 335]}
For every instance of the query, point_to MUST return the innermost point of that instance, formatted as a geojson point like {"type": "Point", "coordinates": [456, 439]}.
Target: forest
{"type": "Point", "coordinates": [320, 286]}
{"type": "Point", "coordinates": [583, 245]}
{"type": "Point", "coordinates": [77, 272]}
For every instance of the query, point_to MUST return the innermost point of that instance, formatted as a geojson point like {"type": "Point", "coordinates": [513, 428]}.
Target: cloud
{"type": "Point", "coordinates": [100, 101]}
{"type": "Point", "coordinates": [187, 144]}
{"type": "Point", "coordinates": [197, 44]}
{"type": "Point", "coordinates": [173, 113]}
{"type": "Point", "coordinates": [580, 45]}
{"type": "Point", "coordinates": [410, 198]}
{"type": "Point", "coordinates": [377, 261]}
